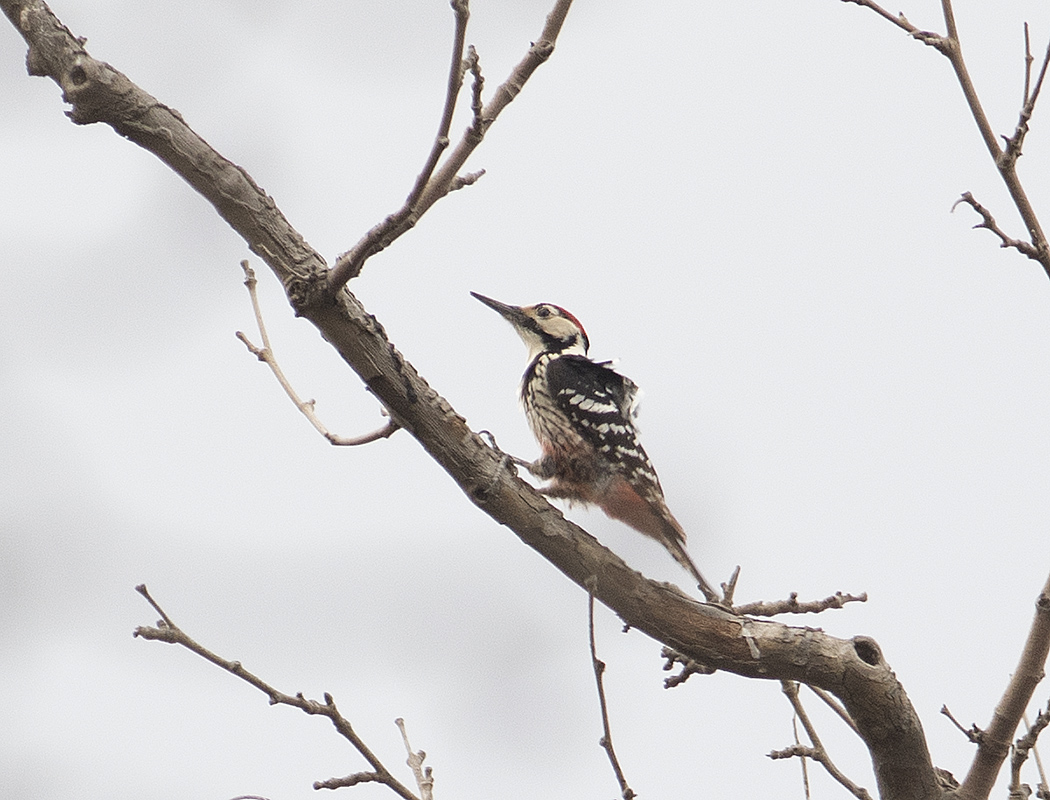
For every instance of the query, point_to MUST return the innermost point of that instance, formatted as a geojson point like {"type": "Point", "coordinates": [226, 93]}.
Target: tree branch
{"type": "Point", "coordinates": [626, 792]}
{"type": "Point", "coordinates": [973, 733]}
{"type": "Point", "coordinates": [1043, 790]}
{"type": "Point", "coordinates": [349, 264]}
{"type": "Point", "coordinates": [998, 736]}
{"type": "Point", "coordinates": [793, 606]}
{"type": "Point", "coordinates": [817, 751]}
{"type": "Point", "coordinates": [424, 777]}
{"type": "Point", "coordinates": [854, 670]}
{"type": "Point", "coordinates": [307, 407]}
{"type": "Point", "coordinates": [167, 631]}
{"type": "Point", "coordinates": [1005, 160]}
{"type": "Point", "coordinates": [1025, 745]}
{"type": "Point", "coordinates": [988, 222]}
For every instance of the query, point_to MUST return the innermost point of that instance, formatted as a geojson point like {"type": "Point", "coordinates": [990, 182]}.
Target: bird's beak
{"type": "Point", "coordinates": [513, 314]}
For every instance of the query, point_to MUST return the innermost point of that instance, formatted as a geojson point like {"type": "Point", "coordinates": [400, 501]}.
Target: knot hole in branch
{"type": "Point", "coordinates": [867, 650]}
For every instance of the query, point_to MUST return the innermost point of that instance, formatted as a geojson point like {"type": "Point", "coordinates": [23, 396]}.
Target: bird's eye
{"type": "Point", "coordinates": [543, 312]}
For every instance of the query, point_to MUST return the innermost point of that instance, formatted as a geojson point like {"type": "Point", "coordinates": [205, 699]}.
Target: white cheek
{"type": "Point", "coordinates": [532, 341]}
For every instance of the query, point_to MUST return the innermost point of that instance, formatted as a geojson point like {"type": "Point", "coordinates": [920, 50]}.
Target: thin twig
{"type": "Point", "coordinates": [689, 667]}
{"type": "Point", "coordinates": [1023, 746]}
{"type": "Point", "coordinates": [167, 631]}
{"type": "Point", "coordinates": [1028, 60]}
{"type": "Point", "coordinates": [973, 733]}
{"type": "Point", "coordinates": [441, 182]}
{"type": "Point", "coordinates": [1044, 787]}
{"type": "Point", "coordinates": [802, 760]}
{"type": "Point", "coordinates": [835, 706]}
{"type": "Point", "coordinates": [424, 777]}
{"type": "Point", "coordinates": [926, 37]}
{"type": "Point", "coordinates": [729, 587]}
{"type": "Point", "coordinates": [599, 668]}
{"type": "Point", "coordinates": [477, 86]}
{"type": "Point", "coordinates": [817, 751]}
{"type": "Point", "coordinates": [379, 237]}
{"type": "Point", "coordinates": [793, 606]}
{"type": "Point", "coordinates": [461, 12]}
{"type": "Point", "coordinates": [265, 354]}
{"type": "Point", "coordinates": [1015, 142]}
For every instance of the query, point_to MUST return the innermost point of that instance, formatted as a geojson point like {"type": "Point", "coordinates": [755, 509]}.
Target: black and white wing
{"type": "Point", "coordinates": [600, 402]}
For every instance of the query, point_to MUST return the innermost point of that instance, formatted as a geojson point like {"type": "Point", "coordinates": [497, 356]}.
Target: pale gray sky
{"type": "Point", "coordinates": [746, 203]}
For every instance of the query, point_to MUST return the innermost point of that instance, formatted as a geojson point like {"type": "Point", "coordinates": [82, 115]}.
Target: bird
{"type": "Point", "coordinates": [582, 414]}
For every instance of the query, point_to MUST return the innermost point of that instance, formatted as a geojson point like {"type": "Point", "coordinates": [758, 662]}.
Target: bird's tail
{"type": "Point", "coordinates": [652, 517]}
{"type": "Point", "coordinates": [676, 547]}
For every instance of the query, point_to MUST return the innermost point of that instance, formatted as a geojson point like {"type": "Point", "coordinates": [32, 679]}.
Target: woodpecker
{"type": "Point", "coordinates": [582, 414]}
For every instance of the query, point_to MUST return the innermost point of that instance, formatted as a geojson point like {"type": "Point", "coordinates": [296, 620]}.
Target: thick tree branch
{"type": "Point", "coordinates": [852, 669]}
{"type": "Point", "coordinates": [994, 745]}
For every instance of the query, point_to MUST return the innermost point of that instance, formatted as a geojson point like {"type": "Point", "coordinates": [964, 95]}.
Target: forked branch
{"type": "Point", "coordinates": [167, 631]}
{"type": "Point", "coordinates": [1025, 745]}
{"type": "Point", "coordinates": [1005, 158]}
{"type": "Point", "coordinates": [817, 751]}
{"type": "Point", "coordinates": [431, 186]}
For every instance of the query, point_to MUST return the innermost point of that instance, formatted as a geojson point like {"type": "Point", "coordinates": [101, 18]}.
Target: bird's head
{"type": "Point", "coordinates": [545, 328]}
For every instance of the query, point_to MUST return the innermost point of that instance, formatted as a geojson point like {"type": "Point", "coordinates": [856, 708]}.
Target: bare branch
{"type": "Point", "coordinates": [973, 733]}
{"type": "Point", "coordinates": [350, 263]}
{"type": "Point", "coordinates": [729, 588]}
{"type": "Point", "coordinates": [1015, 142]}
{"type": "Point", "coordinates": [168, 631]}
{"type": "Point", "coordinates": [349, 780]}
{"type": "Point", "coordinates": [1023, 746]}
{"type": "Point", "coordinates": [265, 354]}
{"type": "Point", "coordinates": [477, 87]}
{"type": "Point", "coordinates": [854, 670]}
{"type": "Point", "coordinates": [689, 667]}
{"type": "Point", "coordinates": [995, 744]}
{"type": "Point", "coordinates": [793, 606]}
{"type": "Point", "coordinates": [988, 222]}
{"type": "Point", "coordinates": [467, 179]}
{"type": "Point", "coordinates": [1029, 59]}
{"type": "Point", "coordinates": [802, 759]}
{"type": "Point", "coordinates": [1043, 791]}
{"type": "Point", "coordinates": [835, 706]}
{"type": "Point", "coordinates": [424, 778]}
{"type": "Point", "coordinates": [1005, 160]}
{"type": "Point", "coordinates": [897, 19]}
{"type": "Point", "coordinates": [817, 751]}
{"type": "Point", "coordinates": [606, 741]}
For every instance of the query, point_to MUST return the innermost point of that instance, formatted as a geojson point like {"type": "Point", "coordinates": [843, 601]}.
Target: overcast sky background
{"type": "Point", "coordinates": [746, 203]}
